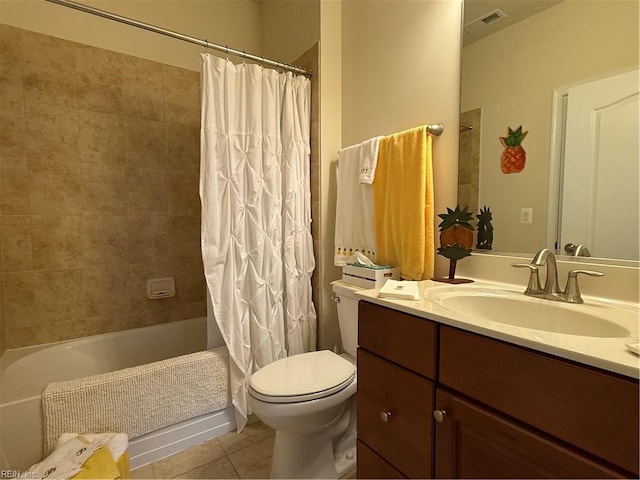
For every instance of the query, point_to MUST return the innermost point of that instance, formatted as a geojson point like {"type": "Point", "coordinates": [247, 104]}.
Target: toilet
{"type": "Point", "coordinates": [309, 400]}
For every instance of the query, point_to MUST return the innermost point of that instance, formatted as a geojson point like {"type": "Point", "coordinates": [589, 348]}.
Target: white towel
{"type": "Point", "coordinates": [354, 205]}
{"type": "Point", "coordinates": [400, 290]}
{"type": "Point", "coordinates": [116, 443]}
{"type": "Point", "coordinates": [65, 461]}
{"type": "Point", "coordinates": [369, 160]}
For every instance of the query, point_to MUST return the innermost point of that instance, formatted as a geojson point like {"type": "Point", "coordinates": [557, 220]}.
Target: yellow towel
{"type": "Point", "coordinates": [99, 465]}
{"type": "Point", "coordinates": [123, 465]}
{"type": "Point", "coordinates": [403, 204]}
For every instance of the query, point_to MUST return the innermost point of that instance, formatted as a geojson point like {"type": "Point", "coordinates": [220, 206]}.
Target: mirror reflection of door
{"type": "Point", "coordinates": [599, 207]}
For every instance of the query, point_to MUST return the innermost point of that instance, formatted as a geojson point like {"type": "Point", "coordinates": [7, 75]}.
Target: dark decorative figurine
{"type": "Point", "coordinates": [485, 229]}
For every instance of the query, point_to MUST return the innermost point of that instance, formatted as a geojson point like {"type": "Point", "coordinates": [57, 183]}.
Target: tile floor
{"type": "Point", "coordinates": [232, 455]}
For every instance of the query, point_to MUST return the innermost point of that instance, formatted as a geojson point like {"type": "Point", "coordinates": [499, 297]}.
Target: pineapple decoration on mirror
{"type": "Point", "coordinates": [514, 156]}
{"type": "Point", "coordinates": [456, 240]}
{"type": "Point", "coordinates": [485, 229]}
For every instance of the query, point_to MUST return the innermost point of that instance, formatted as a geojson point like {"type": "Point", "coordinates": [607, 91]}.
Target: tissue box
{"type": "Point", "coordinates": [366, 276]}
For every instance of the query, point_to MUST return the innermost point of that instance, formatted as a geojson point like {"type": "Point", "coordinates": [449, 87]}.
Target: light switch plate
{"type": "Point", "coordinates": [526, 215]}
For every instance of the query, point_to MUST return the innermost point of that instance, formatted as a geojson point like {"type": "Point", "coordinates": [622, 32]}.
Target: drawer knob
{"type": "Point", "coordinates": [439, 415]}
{"type": "Point", "coordinates": [385, 416]}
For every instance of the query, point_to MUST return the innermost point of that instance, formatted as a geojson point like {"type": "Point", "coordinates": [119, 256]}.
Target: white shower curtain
{"type": "Point", "coordinates": [257, 247]}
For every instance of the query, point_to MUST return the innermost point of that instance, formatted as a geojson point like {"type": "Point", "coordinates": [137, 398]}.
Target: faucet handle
{"type": "Point", "coordinates": [534, 279]}
{"type": "Point", "coordinates": [591, 273]}
{"type": "Point", "coordinates": [572, 292]}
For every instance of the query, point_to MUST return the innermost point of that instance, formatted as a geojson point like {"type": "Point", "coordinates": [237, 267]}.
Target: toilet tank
{"type": "Point", "coordinates": [347, 315]}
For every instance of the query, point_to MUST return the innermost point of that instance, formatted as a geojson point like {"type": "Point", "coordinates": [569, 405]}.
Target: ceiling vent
{"type": "Point", "coordinates": [485, 20]}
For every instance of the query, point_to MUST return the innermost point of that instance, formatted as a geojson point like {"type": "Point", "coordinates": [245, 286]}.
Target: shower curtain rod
{"type": "Point", "coordinates": [179, 36]}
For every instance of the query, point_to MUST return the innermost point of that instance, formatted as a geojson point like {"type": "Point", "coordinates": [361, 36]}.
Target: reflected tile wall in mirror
{"type": "Point", "coordinates": [469, 160]}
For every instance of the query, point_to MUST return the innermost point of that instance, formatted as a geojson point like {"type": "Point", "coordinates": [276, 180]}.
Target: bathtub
{"type": "Point", "coordinates": [27, 371]}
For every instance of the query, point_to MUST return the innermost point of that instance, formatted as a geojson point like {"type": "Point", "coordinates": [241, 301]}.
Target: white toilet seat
{"type": "Point", "coordinates": [301, 378]}
{"type": "Point", "coordinates": [301, 398]}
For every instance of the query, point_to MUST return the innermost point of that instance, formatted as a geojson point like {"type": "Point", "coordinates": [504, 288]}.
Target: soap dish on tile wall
{"type": "Point", "coordinates": [161, 288]}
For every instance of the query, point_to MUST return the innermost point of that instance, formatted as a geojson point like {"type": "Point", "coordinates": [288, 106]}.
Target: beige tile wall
{"type": "Point", "coordinates": [99, 165]}
{"type": "Point", "coordinates": [469, 160]}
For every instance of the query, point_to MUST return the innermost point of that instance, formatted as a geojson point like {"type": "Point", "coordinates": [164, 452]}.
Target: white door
{"type": "Point", "coordinates": [600, 180]}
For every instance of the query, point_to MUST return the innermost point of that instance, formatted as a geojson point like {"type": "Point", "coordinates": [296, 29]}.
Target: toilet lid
{"type": "Point", "coordinates": [302, 377]}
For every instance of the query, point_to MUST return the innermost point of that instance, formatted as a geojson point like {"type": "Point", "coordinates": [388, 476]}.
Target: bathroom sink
{"type": "Point", "coordinates": [514, 309]}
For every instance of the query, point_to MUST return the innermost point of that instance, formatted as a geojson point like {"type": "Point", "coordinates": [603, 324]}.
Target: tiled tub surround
{"type": "Point", "coordinates": [99, 166]}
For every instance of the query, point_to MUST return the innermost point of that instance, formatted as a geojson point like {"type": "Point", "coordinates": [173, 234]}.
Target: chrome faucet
{"type": "Point", "coordinates": [577, 250]}
{"type": "Point", "coordinates": [546, 256]}
{"type": "Point", "coordinates": [551, 291]}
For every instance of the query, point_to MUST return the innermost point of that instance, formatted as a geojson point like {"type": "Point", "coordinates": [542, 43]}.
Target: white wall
{"type": "Point", "coordinates": [401, 68]}
{"type": "Point", "coordinates": [235, 23]}
{"type": "Point", "coordinates": [511, 75]}
{"type": "Point", "coordinates": [376, 80]}
{"type": "Point", "coordinates": [331, 121]}
{"type": "Point", "coordinates": [289, 28]}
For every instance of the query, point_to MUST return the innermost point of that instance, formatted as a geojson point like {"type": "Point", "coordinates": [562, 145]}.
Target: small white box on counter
{"type": "Point", "coordinates": [368, 276]}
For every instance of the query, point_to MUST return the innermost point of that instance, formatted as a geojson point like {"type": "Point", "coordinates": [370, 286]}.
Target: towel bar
{"type": "Point", "coordinates": [435, 129]}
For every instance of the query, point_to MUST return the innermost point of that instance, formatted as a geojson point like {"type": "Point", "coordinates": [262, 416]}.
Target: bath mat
{"type": "Point", "coordinates": [140, 399]}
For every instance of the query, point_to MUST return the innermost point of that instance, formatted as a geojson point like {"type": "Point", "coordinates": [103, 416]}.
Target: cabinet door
{"type": "Point", "coordinates": [395, 414]}
{"type": "Point", "coordinates": [594, 410]}
{"type": "Point", "coordinates": [472, 442]}
{"type": "Point", "coordinates": [372, 465]}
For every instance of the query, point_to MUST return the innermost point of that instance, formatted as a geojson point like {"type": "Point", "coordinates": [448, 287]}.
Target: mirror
{"type": "Point", "coordinates": [519, 61]}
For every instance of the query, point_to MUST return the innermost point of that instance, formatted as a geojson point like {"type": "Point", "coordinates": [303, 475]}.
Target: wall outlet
{"type": "Point", "coordinates": [526, 215]}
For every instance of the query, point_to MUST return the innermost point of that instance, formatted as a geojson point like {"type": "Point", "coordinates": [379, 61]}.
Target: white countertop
{"type": "Point", "coordinates": [606, 353]}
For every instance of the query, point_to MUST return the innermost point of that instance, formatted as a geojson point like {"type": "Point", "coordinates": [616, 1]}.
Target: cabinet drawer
{"type": "Point", "coordinates": [372, 465]}
{"type": "Point", "coordinates": [402, 338]}
{"type": "Point", "coordinates": [406, 439]}
{"type": "Point", "coordinates": [591, 409]}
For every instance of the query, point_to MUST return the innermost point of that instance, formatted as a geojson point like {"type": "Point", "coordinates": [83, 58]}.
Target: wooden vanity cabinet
{"type": "Point", "coordinates": [504, 411]}
{"type": "Point", "coordinates": [396, 392]}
